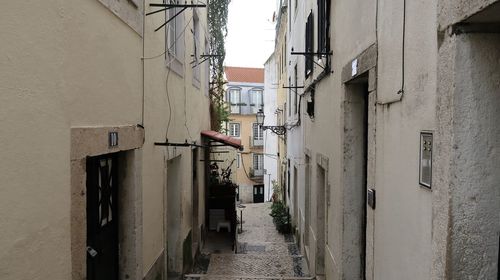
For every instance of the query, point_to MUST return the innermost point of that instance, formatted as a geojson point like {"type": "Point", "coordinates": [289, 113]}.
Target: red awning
{"type": "Point", "coordinates": [224, 139]}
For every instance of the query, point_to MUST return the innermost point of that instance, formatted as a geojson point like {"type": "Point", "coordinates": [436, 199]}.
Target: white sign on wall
{"type": "Point", "coordinates": [354, 66]}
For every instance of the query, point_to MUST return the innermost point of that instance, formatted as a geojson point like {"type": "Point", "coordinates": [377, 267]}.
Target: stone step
{"type": "Point", "coordinates": [258, 265]}
{"type": "Point", "coordinates": [268, 248]}
{"type": "Point", "coordinates": [242, 277]}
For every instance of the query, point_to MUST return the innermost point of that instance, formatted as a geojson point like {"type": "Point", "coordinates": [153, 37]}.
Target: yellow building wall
{"type": "Point", "coordinates": [246, 163]}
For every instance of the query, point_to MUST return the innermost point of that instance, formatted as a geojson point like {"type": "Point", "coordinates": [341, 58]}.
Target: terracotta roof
{"type": "Point", "coordinates": [244, 75]}
{"type": "Point", "coordinates": [224, 139]}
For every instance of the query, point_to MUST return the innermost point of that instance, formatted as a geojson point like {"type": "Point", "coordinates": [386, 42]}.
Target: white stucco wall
{"type": "Point", "coordinates": [270, 139]}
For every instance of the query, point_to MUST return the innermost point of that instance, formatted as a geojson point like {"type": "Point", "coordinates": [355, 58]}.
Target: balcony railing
{"type": "Point", "coordinates": [255, 143]}
{"type": "Point", "coordinates": [256, 172]}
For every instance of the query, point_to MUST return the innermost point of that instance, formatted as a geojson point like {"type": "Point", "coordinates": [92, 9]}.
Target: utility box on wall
{"type": "Point", "coordinates": [426, 147]}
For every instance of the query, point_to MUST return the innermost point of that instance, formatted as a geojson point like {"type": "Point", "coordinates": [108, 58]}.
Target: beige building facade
{"type": "Point", "coordinates": [280, 54]}
{"type": "Point", "coordinates": [245, 89]}
{"type": "Point", "coordinates": [391, 145]}
{"type": "Point", "coordinates": [89, 93]}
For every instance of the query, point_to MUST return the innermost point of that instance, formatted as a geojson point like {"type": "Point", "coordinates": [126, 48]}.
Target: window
{"type": "Point", "coordinates": [207, 70]}
{"type": "Point", "coordinates": [174, 40]}
{"type": "Point", "coordinates": [238, 158]}
{"type": "Point", "coordinates": [171, 32]}
{"type": "Point", "coordinates": [257, 100]}
{"type": "Point", "coordinates": [323, 25]}
{"type": "Point", "coordinates": [196, 48]}
{"type": "Point", "coordinates": [309, 44]}
{"type": "Point", "coordinates": [289, 97]}
{"type": "Point", "coordinates": [234, 129]}
{"type": "Point", "coordinates": [258, 162]}
{"type": "Point", "coordinates": [235, 100]}
{"type": "Point", "coordinates": [295, 105]}
{"type": "Point", "coordinates": [258, 133]}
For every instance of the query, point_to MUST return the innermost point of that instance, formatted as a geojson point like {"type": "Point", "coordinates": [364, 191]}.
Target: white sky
{"type": "Point", "coordinates": [250, 38]}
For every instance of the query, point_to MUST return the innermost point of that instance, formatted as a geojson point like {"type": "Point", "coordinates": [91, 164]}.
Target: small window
{"type": "Point", "coordinates": [238, 158]}
{"type": "Point", "coordinates": [234, 129]}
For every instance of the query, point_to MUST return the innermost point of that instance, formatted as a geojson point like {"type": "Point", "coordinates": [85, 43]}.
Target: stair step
{"type": "Point", "coordinates": [243, 277]}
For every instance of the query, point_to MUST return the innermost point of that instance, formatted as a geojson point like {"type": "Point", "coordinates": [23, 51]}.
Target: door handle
{"type": "Point", "coordinates": [93, 253]}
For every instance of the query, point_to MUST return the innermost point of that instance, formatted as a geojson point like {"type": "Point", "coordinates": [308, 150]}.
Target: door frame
{"type": "Point", "coordinates": [366, 69]}
{"type": "Point", "coordinates": [91, 142]}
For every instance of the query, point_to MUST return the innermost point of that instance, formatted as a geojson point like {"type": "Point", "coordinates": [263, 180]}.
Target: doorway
{"type": "Point", "coordinates": [258, 193]}
{"type": "Point", "coordinates": [195, 200]}
{"type": "Point", "coordinates": [355, 177]}
{"type": "Point", "coordinates": [320, 221]}
{"type": "Point", "coordinates": [173, 208]}
{"type": "Point", "coordinates": [102, 218]}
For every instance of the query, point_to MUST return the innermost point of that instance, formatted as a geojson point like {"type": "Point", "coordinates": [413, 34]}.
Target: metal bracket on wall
{"type": "Point", "coordinates": [166, 7]}
{"type": "Point", "coordinates": [204, 58]}
{"type": "Point", "coordinates": [310, 56]}
{"type": "Point", "coordinates": [294, 88]}
{"type": "Point", "coordinates": [185, 144]}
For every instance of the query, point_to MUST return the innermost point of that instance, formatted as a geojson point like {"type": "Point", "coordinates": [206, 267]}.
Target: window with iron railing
{"type": "Point", "coordinates": [258, 165]}
{"type": "Point", "coordinates": [234, 99]}
{"type": "Point", "coordinates": [258, 135]}
{"type": "Point", "coordinates": [257, 100]}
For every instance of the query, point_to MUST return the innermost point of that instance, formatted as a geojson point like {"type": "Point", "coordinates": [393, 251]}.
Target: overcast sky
{"type": "Point", "coordinates": [250, 38]}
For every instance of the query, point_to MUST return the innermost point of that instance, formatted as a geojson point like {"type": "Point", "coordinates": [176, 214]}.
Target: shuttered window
{"type": "Point", "coordinates": [309, 44]}
{"type": "Point", "coordinates": [323, 25]}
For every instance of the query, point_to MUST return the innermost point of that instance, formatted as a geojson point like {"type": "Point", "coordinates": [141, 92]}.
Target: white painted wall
{"type": "Point", "coordinates": [270, 139]}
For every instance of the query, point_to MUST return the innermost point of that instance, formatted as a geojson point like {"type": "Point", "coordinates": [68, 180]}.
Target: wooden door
{"type": "Point", "coordinates": [258, 193]}
{"type": "Point", "coordinates": [102, 218]}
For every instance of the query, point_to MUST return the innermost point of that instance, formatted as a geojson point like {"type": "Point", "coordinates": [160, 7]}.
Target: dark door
{"type": "Point", "coordinates": [258, 193]}
{"type": "Point", "coordinates": [102, 218]}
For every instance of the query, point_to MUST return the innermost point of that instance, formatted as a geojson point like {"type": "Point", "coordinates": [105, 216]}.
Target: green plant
{"type": "Point", "coordinates": [276, 191]}
{"type": "Point", "coordinates": [217, 27]}
{"type": "Point", "coordinates": [281, 217]}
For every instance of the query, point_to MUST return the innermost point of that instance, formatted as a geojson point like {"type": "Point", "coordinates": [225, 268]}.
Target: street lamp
{"type": "Point", "coordinates": [279, 130]}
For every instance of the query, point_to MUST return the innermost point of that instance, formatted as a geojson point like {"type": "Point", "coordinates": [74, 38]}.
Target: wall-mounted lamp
{"type": "Point", "coordinates": [279, 130]}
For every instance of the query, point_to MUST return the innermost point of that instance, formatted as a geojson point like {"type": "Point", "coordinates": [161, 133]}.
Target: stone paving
{"type": "Point", "coordinates": [263, 253]}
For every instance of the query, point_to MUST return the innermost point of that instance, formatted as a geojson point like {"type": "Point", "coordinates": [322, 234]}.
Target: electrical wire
{"type": "Point", "coordinates": [243, 165]}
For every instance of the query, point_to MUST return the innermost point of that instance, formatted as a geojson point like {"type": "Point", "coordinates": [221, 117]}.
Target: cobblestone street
{"type": "Point", "coordinates": [263, 253]}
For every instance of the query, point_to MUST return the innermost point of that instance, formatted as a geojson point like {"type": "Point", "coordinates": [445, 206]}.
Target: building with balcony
{"type": "Point", "coordinates": [245, 91]}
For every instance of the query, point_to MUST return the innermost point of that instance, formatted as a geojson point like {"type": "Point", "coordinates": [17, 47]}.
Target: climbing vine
{"type": "Point", "coordinates": [217, 27]}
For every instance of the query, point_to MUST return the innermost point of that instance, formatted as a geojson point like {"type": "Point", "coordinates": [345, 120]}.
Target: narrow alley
{"type": "Point", "coordinates": [250, 139]}
{"type": "Point", "coordinates": [262, 252]}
